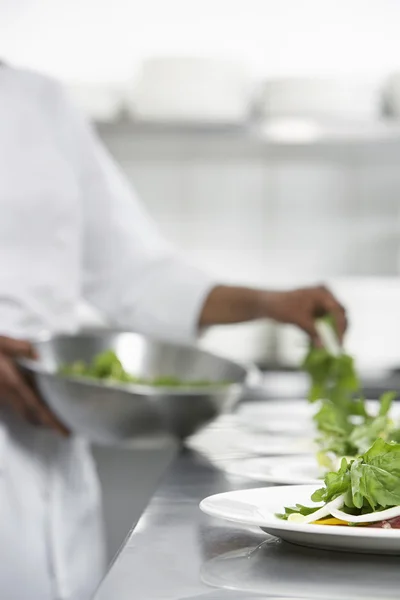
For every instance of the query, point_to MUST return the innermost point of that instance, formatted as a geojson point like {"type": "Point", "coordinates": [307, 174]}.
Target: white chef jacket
{"type": "Point", "coordinates": [70, 228]}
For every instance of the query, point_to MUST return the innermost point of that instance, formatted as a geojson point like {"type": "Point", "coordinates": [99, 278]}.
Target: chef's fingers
{"type": "Point", "coordinates": [22, 399]}
{"type": "Point", "coordinates": [36, 411]}
{"type": "Point", "coordinates": [328, 304]}
{"type": "Point", "coordinates": [313, 333]}
{"type": "Point", "coordinates": [14, 402]}
{"type": "Point", "coordinates": [51, 420]}
{"type": "Point", "coordinates": [14, 347]}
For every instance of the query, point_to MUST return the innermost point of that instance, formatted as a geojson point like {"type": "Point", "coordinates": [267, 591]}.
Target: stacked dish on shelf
{"type": "Point", "coordinates": [310, 109]}
{"type": "Point", "coordinates": [102, 102]}
{"type": "Point", "coordinates": [320, 98]}
{"type": "Point", "coordinates": [213, 92]}
{"type": "Point", "coordinates": [185, 90]}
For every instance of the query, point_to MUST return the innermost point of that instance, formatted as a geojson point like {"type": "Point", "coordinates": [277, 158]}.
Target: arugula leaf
{"type": "Point", "coordinates": [331, 419]}
{"type": "Point", "coordinates": [346, 377]}
{"type": "Point", "coordinates": [383, 453]}
{"type": "Point", "coordinates": [298, 509]}
{"type": "Point", "coordinates": [335, 428]}
{"type": "Point", "coordinates": [318, 364]}
{"type": "Point", "coordinates": [371, 481]}
{"type": "Point", "coordinates": [386, 401]}
{"type": "Point", "coordinates": [376, 476]}
{"type": "Point", "coordinates": [394, 435]}
{"type": "Point", "coordinates": [363, 435]}
{"type": "Point", "coordinates": [340, 435]}
{"type": "Point", "coordinates": [336, 484]}
{"type": "Point", "coordinates": [357, 407]}
{"type": "Point", "coordinates": [107, 366]}
{"type": "Point", "coordinates": [368, 483]}
{"type": "Point", "coordinates": [332, 377]}
{"type": "Point", "coordinates": [334, 381]}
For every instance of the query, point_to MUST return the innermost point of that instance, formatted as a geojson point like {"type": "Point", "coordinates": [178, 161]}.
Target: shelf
{"type": "Point", "coordinates": [380, 140]}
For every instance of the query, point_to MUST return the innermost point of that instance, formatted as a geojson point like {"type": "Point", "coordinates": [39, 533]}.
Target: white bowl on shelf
{"type": "Point", "coordinates": [191, 90]}
{"type": "Point", "coordinates": [320, 98]}
{"type": "Point", "coordinates": [100, 102]}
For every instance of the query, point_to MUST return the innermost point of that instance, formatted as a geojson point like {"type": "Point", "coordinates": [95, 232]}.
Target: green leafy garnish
{"type": "Point", "coordinates": [366, 484]}
{"type": "Point", "coordinates": [386, 401]}
{"type": "Point", "coordinates": [299, 509]}
{"type": "Point", "coordinates": [106, 366]}
{"type": "Point", "coordinates": [334, 382]}
{"type": "Point", "coordinates": [336, 484]}
{"type": "Point", "coordinates": [331, 376]}
{"type": "Point", "coordinates": [376, 476]}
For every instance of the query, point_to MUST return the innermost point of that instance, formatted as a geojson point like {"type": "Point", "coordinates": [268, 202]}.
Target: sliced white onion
{"type": "Point", "coordinates": [383, 515]}
{"type": "Point", "coordinates": [322, 512]}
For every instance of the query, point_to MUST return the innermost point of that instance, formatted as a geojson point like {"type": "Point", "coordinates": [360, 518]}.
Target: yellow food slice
{"type": "Point", "coordinates": [330, 521]}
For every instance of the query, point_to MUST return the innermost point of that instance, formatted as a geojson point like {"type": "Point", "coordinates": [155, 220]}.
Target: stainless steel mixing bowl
{"type": "Point", "coordinates": [107, 412]}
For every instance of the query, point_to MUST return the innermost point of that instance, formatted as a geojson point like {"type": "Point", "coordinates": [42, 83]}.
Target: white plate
{"type": "Point", "coordinates": [293, 470]}
{"type": "Point", "coordinates": [289, 419]}
{"type": "Point", "coordinates": [258, 507]}
{"type": "Point", "coordinates": [277, 425]}
{"type": "Point", "coordinates": [297, 409]}
{"type": "Point", "coordinates": [293, 409]}
{"type": "Point", "coordinates": [275, 445]}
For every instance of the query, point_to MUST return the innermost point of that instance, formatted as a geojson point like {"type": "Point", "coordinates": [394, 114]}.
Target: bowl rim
{"type": "Point", "coordinates": [38, 368]}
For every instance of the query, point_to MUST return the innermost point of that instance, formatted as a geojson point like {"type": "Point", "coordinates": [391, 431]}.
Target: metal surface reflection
{"type": "Point", "coordinates": [275, 567]}
{"type": "Point", "coordinates": [230, 595]}
{"type": "Point", "coordinates": [178, 553]}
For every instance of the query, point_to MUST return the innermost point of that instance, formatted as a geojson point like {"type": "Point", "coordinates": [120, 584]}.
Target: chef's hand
{"type": "Point", "coordinates": [228, 304]}
{"type": "Point", "coordinates": [15, 391]}
{"type": "Point", "coordinates": [301, 307]}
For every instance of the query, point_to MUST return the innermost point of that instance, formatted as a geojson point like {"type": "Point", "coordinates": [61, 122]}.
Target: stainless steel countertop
{"type": "Point", "coordinates": [176, 552]}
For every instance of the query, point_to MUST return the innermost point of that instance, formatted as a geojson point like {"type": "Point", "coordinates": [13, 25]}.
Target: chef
{"type": "Point", "coordinates": [71, 227]}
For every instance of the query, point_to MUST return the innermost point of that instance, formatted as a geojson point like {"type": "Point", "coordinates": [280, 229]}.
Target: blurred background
{"type": "Point", "coordinates": [264, 138]}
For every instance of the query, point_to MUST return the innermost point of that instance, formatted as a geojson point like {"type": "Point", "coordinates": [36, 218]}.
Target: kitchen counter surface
{"type": "Point", "coordinates": [177, 553]}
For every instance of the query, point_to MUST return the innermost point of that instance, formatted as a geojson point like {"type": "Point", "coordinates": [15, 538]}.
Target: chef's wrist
{"type": "Point", "coordinates": [230, 304]}
{"type": "Point", "coordinates": [267, 304]}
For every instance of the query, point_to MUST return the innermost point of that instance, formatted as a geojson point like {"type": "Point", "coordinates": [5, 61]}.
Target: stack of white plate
{"type": "Point", "coordinates": [320, 99]}
{"type": "Point", "coordinates": [100, 102]}
{"type": "Point", "coordinates": [191, 90]}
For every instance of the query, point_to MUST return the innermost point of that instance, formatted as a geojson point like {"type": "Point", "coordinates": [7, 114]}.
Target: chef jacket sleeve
{"type": "Point", "coordinates": [131, 274]}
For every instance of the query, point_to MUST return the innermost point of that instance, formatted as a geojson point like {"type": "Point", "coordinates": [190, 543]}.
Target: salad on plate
{"type": "Point", "coordinates": [363, 492]}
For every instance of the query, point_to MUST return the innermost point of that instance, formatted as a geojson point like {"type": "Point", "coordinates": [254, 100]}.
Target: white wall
{"type": "Point", "coordinates": [105, 39]}
{"type": "Point", "coordinates": [269, 216]}
{"type": "Point", "coordinates": [278, 217]}
{"type": "Point", "coordinates": [295, 218]}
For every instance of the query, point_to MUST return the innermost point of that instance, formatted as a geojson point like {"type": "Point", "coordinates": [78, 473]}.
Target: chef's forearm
{"type": "Point", "coordinates": [300, 307]}
{"type": "Point", "coordinates": [229, 304]}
